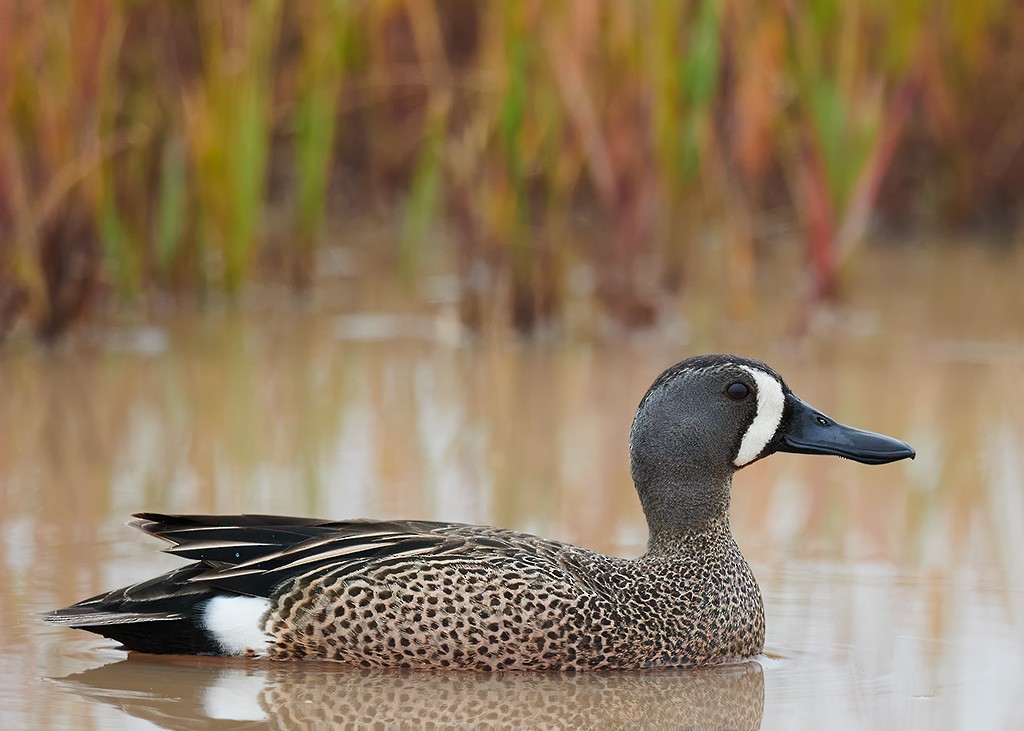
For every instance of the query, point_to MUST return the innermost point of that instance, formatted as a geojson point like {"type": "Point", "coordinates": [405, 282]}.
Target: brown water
{"type": "Point", "coordinates": [895, 594]}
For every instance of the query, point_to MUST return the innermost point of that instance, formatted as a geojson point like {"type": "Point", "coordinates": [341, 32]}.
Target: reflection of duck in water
{"type": "Point", "coordinates": [439, 595]}
{"type": "Point", "coordinates": [180, 694]}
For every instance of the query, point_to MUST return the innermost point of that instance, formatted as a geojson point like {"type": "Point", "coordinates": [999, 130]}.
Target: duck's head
{"type": "Point", "coordinates": [710, 415]}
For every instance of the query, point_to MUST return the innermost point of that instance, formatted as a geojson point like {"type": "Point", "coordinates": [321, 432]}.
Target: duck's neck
{"type": "Point", "coordinates": [677, 511]}
{"type": "Point", "coordinates": [698, 539]}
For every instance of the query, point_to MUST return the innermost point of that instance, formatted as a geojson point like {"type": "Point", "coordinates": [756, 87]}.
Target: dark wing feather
{"type": "Point", "coordinates": [166, 597]}
{"type": "Point", "coordinates": [255, 554]}
{"type": "Point", "coordinates": [343, 553]}
{"type": "Point", "coordinates": [221, 540]}
{"type": "Point", "coordinates": [157, 615]}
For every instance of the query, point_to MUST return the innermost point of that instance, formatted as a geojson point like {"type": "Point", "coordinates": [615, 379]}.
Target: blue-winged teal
{"type": "Point", "coordinates": [445, 595]}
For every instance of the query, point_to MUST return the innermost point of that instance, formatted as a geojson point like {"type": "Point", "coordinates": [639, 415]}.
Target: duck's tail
{"type": "Point", "coordinates": [175, 614]}
{"type": "Point", "coordinates": [166, 614]}
{"type": "Point", "coordinates": [218, 604]}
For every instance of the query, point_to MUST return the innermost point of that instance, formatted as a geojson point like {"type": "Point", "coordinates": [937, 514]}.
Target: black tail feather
{"type": "Point", "coordinates": [234, 555]}
{"type": "Point", "coordinates": [161, 615]}
{"type": "Point", "coordinates": [177, 637]}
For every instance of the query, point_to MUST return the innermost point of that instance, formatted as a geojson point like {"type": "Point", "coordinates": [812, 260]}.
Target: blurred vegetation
{"type": "Point", "coordinates": [155, 146]}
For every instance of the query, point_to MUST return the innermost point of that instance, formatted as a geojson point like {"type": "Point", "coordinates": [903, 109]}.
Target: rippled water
{"type": "Point", "coordinates": [894, 594]}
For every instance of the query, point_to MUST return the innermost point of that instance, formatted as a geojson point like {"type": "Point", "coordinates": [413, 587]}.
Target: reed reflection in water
{"type": "Point", "coordinates": [894, 595]}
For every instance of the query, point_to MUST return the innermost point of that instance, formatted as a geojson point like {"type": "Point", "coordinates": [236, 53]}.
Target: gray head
{"type": "Point", "coordinates": [711, 415]}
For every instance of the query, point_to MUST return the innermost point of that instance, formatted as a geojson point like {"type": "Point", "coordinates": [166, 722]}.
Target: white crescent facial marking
{"type": "Point", "coordinates": [770, 402]}
{"type": "Point", "coordinates": [236, 622]}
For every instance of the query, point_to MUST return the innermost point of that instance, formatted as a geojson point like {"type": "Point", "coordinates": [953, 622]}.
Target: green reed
{"type": "Point", "coordinates": [197, 146]}
{"type": "Point", "coordinates": [325, 32]}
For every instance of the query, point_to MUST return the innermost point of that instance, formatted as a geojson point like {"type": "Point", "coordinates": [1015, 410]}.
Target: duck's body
{"type": "Point", "coordinates": [434, 595]}
{"type": "Point", "coordinates": [439, 595]}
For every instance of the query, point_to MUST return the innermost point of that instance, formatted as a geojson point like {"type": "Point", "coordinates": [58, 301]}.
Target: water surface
{"type": "Point", "coordinates": [894, 594]}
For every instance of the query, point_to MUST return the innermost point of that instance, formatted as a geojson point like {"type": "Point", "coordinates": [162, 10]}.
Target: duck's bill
{"type": "Point", "coordinates": [811, 432]}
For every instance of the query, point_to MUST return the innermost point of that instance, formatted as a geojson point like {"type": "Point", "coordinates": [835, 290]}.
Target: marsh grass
{"type": "Point", "coordinates": [149, 145]}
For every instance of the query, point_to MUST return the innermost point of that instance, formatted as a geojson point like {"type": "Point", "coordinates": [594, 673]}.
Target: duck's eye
{"type": "Point", "coordinates": [737, 391]}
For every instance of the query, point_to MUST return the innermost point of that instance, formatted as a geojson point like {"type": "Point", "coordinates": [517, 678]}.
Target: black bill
{"type": "Point", "coordinates": [808, 431]}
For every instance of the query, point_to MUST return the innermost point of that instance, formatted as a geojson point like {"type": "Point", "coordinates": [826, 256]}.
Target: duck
{"type": "Point", "coordinates": [417, 594]}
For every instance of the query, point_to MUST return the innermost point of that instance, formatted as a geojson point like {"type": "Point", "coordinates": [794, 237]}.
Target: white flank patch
{"type": "Point", "coordinates": [236, 622]}
{"type": "Point", "coordinates": [770, 401]}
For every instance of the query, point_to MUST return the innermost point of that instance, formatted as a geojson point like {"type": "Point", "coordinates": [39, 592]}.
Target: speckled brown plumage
{"type": "Point", "coordinates": [488, 599]}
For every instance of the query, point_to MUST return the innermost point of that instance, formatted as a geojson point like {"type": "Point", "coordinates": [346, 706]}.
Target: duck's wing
{"type": "Point", "coordinates": [230, 540]}
{"type": "Point", "coordinates": [346, 549]}
{"type": "Point", "coordinates": [244, 554]}
{"type": "Point", "coordinates": [253, 556]}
